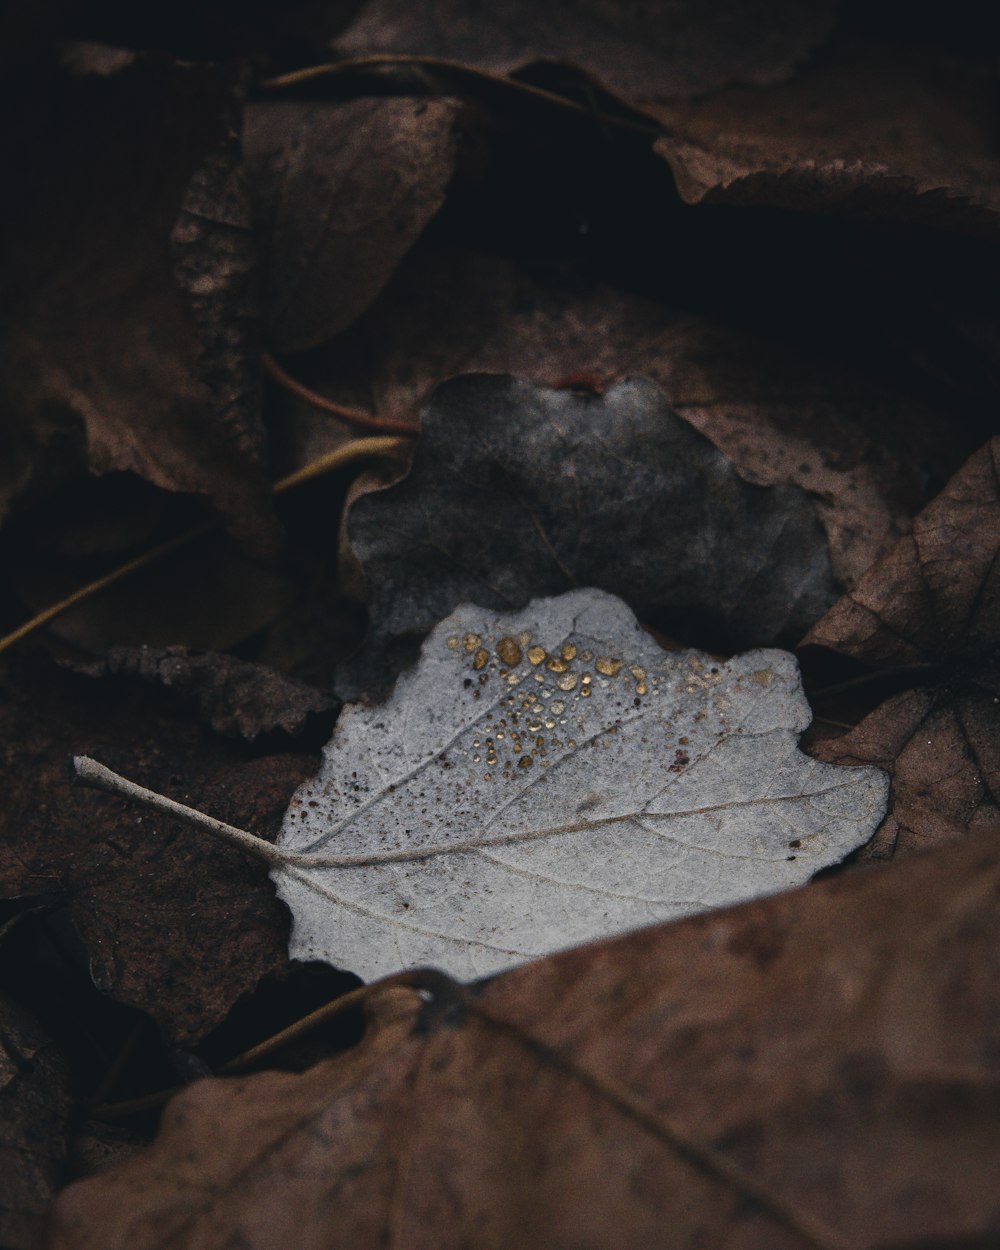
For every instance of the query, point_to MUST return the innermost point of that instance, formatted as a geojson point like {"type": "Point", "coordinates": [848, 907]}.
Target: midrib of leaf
{"type": "Point", "coordinates": [370, 859]}
{"type": "Point", "coordinates": [301, 867]}
{"type": "Point", "coordinates": [92, 773]}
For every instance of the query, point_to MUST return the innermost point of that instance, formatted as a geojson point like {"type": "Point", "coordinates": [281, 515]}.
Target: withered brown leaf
{"type": "Point", "coordinates": [171, 924]}
{"type": "Point", "coordinates": [817, 1069]}
{"type": "Point", "coordinates": [34, 1107]}
{"type": "Point", "coordinates": [128, 273]}
{"type": "Point", "coordinates": [341, 191]}
{"type": "Point", "coordinates": [931, 609]}
{"type": "Point", "coordinates": [663, 49]}
{"type": "Point", "coordinates": [892, 133]}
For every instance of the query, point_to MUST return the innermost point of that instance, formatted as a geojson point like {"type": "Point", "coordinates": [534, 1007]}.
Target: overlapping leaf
{"type": "Point", "coordinates": [930, 610]}
{"type": "Point", "coordinates": [171, 925]}
{"type": "Point", "coordinates": [517, 491]}
{"type": "Point", "coordinates": [749, 116]}
{"type": "Point", "coordinates": [341, 193]}
{"type": "Point", "coordinates": [814, 1070]}
{"type": "Point", "coordinates": [128, 272]}
{"type": "Point", "coordinates": [661, 50]}
{"type": "Point", "coordinates": [865, 450]}
{"type": "Point", "coordinates": [546, 778]}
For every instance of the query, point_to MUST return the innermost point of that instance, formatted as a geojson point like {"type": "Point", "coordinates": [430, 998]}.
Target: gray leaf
{"type": "Point", "coordinates": [518, 491]}
{"type": "Point", "coordinates": [551, 777]}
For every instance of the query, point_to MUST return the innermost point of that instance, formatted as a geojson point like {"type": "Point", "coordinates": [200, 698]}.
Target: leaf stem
{"type": "Point", "coordinates": [427, 981]}
{"type": "Point", "coordinates": [357, 449]}
{"type": "Point", "coordinates": [461, 70]}
{"type": "Point", "coordinates": [98, 777]}
{"type": "Point", "coordinates": [357, 416]}
{"type": "Point", "coordinates": [101, 583]}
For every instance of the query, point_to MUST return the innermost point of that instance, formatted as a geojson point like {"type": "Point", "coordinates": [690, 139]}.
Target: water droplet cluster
{"type": "Point", "coordinates": [541, 713]}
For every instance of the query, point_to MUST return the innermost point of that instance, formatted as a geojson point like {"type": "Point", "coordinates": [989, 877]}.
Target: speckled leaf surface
{"type": "Point", "coordinates": [553, 776]}
{"type": "Point", "coordinates": [519, 490]}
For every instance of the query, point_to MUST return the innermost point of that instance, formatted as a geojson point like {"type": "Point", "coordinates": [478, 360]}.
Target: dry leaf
{"type": "Point", "coordinates": [866, 450]}
{"type": "Point", "coordinates": [861, 126]}
{"type": "Point", "coordinates": [818, 1069]}
{"type": "Point", "coordinates": [892, 132]}
{"type": "Point", "coordinates": [516, 491]}
{"type": "Point", "coordinates": [172, 923]}
{"type": "Point", "coordinates": [931, 608]}
{"type": "Point", "coordinates": [342, 190]}
{"type": "Point", "coordinates": [550, 777]}
{"type": "Point", "coordinates": [236, 698]}
{"type": "Point", "coordinates": [664, 49]}
{"type": "Point", "coordinates": [128, 273]}
{"type": "Point", "coordinates": [34, 1107]}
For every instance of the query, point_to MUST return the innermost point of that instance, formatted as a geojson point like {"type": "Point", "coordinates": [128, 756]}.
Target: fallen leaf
{"type": "Point", "coordinates": [173, 925]}
{"type": "Point", "coordinates": [817, 1069]}
{"type": "Point", "coordinates": [861, 126]}
{"type": "Point", "coordinates": [341, 192]}
{"type": "Point", "coordinates": [898, 133]}
{"type": "Point", "coordinates": [866, 450]}
{"type": "Point", "coordinates": [206, 596]}
{"type": "Point", "coordinates": [545, 778]}
{"type": "Point", "coordinates": [930, 610]}
{"type": "Point", "coordinates": [236, 698]}
{"type": "Point", "coordinates": [665, 49]}
{"type": "Point", "coordinates": [517, 491]}
{"type": "Point", "coordinates": [940, 748]}
{"type": "Point", "coordinates": [34, 1108]}
{"type": "Point", "coordinates": [128, 269]}
{"type": "Point", "coordinates": [937, 593]}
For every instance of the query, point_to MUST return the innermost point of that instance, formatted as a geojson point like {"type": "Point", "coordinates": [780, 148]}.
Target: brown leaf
{"type": "Point", "coordinates": [174, 924]}
{"type": "Point", "coordinates": [206, 596]}
{"type": "Point", "coordinates": [236, 698]}
{"type": "Point", "coordinates": [937, 592]}
{"type": "Point", "coordinates": [128, 271]}
{"type": "Point", "coordinates": [34, 1106]}
{"type": "Point", "coordinates": [865, 128]}
{"type": "Point", "coordinates": [931, 607]}
{"type": "Point", "coordinates": [859, 126]}
{"type": "Point", "coordinates": [665, 49]}
{"type": "Point", "coordinates": [940, 748]}
{"type": "Point", "coordinates": [817, 1069]}
{"type": "Point", "coordinates": [341, 190]}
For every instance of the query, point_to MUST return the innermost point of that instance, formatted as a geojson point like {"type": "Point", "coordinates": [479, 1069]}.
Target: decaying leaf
{"type": "Point", "coordinates": [172, 923]}
{"type": "Point", "coordinates": [128, 265]}
{"type": "Point", "coordinates": [936, 595]}
{"type": "Point", "coordinates": [862, 130]}
{"type": "Point", "coordinates": [665, 49]}
{"type": "Point", "coordinates": [517, 491]}
{"type": "Point", "coordinates": [931, 609]}
{"type": "Point", "coordinates": [34, 1107]}
{"type": "Point", "coordinates": [236, 698]}
{"type": "Point", "coordinates": [865, 450]}
{"type": "Point", "coordinates": [939, 745]}
{"type": "Point", "coordinates": [750, 117]}
{"type": "Point", "coordinates": [341, 192]}
{"type": "Point", "coordinates": [814, 1070]}
{"type": "Point", "coordinates": [549, 777]}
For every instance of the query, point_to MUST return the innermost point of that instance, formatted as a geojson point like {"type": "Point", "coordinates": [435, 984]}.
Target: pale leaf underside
{"type": "Point", "coordinates": [551, 777]}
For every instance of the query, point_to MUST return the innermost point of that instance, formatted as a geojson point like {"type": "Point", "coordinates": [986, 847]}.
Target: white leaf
{"type": "Point", "coordinates": [551, 777]}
